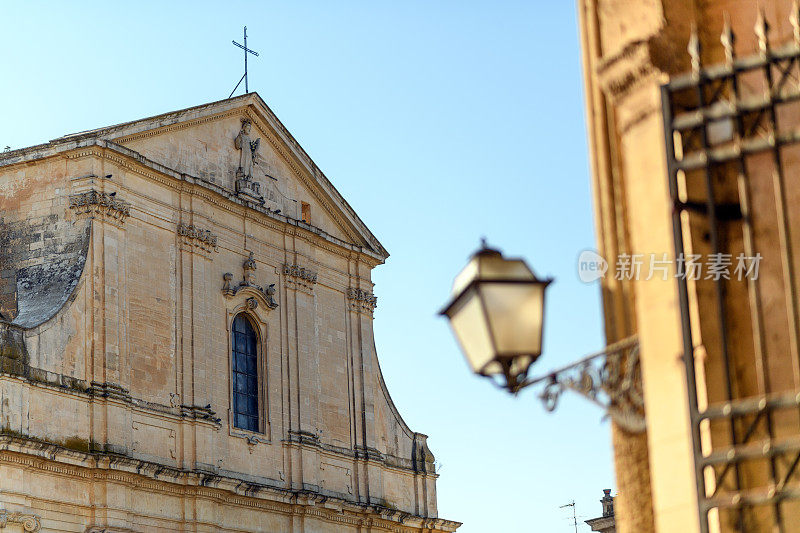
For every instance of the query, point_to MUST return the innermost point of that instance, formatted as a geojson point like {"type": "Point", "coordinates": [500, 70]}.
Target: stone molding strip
{"type": "Point", "coordinates": [251, 106]}
{"type": "Point", "coordinates": [115, 392]}
{"type": "Point", "coordinates": [135, 162]}
{"type": "Point", "coordinates": [216, 486]}
{"type": "Point", "coordinates": [38, 376]}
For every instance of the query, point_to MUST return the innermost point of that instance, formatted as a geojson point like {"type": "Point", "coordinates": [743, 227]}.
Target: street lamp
{"type": "Point", "coordinates": [496, 313]}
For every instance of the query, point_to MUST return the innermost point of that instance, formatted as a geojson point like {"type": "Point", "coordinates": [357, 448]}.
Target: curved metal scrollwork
{"type": "Point", "coordinates": [611, 378]}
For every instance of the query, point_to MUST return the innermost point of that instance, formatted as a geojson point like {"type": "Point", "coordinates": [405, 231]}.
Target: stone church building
{"type": "Point", "coordinates": [186, 338]}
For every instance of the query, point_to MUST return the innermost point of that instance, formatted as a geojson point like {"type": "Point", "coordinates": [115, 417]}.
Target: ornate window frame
{"type": "Point", "coordinates": [252, 303]}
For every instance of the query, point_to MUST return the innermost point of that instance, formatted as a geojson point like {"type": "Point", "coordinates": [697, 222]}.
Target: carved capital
{"type": "Point", "coordinates": [298, 277]}
{"type": "Point", "coordinates": [622, 78]}
{"type": "Point", "coordinates": [94, 204]}
{"type": "Point", "coordinates": [362, 301]}
{"type": "Point", "coordinates": [196, 239]}
{"type": "Point", "coordinates": [29, 522]}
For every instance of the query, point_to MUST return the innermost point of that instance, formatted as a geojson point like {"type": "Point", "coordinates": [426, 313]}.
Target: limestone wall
{"type": "Point", "coordinates": [131, 372]}
{"type": "Point", "coordinates": [630, 49]}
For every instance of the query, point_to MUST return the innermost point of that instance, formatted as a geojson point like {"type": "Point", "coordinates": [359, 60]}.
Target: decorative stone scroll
{"type": "Point", "coordinates": [193, 237]}
{"type": "Point", "coordinates": [100, 205]}
{"type": "Point", "coordinates": [298, 277]}
{"type": "Point", "coordinates": [29, 522]}
{"type": "Point", "coordinates": [249, 284]}
{"type": "Point", "coordinates": [362, 301]}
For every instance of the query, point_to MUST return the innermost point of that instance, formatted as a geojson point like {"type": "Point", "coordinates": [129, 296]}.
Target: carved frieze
{"type": "Point", "coordinates": [298, 277]}
{"type": "Point", "coordinates": [193, 238]}
{"type": "Point", "coordinates": [249, 284]}
{"type": "Point", "coordinates": [28, 522]}
{"type": "Point", "coordinates": [362, 301]}
{"type": "Point", "coordinates": [96, 204]}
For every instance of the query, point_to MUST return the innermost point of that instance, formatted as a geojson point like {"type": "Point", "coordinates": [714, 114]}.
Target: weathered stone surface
{"type": "Point", "coordinates": [115, 357]}
{"type": "Point", "coordinates": [631, 48]}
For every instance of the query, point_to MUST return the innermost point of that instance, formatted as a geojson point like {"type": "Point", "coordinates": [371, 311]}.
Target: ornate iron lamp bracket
{"type": "Point", "coordinates": [610, 378]}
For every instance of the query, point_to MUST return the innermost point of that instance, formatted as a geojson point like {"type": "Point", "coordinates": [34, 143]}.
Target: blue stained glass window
{"type": "Point", "coordinates": [245, 374]}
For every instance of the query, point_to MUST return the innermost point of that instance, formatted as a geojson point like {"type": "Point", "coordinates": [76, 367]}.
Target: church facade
{"type": "Point", "coordinates": [186, 338]}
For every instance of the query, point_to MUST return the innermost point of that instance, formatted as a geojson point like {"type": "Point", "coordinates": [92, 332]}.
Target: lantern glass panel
{"type": "Point", "coordinates": [514, 313]}
{"type": "Point", "coordinates": [495, 266]}
{"type": "Point", "coordinates": [470, 327]}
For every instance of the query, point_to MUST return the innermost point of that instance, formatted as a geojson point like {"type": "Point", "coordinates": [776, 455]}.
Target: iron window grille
{"type": "Point", "coordinates": [732, 134]}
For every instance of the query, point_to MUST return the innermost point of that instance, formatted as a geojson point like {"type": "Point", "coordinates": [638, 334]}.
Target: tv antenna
{"type": "Point", "coordinates": [574, 515]}
{"type": "Point", "coordinates": [246, 51]}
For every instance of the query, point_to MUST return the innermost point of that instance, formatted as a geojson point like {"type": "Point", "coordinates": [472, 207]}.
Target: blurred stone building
{"type": "Point", "coordinates": [186, 338]}
{"type": "Point", "coordinates": [694, 121]}
{"type": "Point", "coordinates": [606, 522]}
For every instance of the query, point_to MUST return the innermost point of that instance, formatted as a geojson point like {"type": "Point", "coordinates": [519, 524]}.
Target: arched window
{"type": "Point", "coordinates": [245, 374]}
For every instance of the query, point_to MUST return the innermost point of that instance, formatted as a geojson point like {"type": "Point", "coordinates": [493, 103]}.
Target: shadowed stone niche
{"type": "Point", "coordinates": [41, 262]}
{"type": "Point", "coordinates": [13, 355]}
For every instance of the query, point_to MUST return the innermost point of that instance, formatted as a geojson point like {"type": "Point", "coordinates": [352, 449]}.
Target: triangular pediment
{"type": "Point", "coordinates": [202, 142]}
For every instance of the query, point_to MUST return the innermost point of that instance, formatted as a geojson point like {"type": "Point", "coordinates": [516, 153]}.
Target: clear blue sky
{"type": "Point", "coordinates": [439, 122]}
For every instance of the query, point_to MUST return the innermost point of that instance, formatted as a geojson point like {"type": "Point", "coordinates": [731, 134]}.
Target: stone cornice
{"type": "Point", "coordinates": [210, 192]}
{"type": "Point", "coordinates": [115, 394]}
{"type": "Point", "coordinates": [101, 467]}
{"type": "Point", "coordinates": [175, 127]}
{"type": "Point", "coordinates": [15, 369]}
{"type": "Point", "coordinates": [271, 137]}
{"type": "Point", "coordinates": [250, 105]}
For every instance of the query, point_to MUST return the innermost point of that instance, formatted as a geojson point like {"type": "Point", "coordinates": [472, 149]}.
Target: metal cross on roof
{"type": "Point", "coordinates": [246, 51]}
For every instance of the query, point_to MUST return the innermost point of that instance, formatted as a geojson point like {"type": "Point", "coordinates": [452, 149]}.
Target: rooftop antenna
{"type": "Point", "coordinates": [246, 51]}
{"type": "Point", "coordinates": [574, 516]}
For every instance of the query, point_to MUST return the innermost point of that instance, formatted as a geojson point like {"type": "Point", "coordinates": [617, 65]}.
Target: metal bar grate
{"type": "Point", "coordinates": [732, 133]}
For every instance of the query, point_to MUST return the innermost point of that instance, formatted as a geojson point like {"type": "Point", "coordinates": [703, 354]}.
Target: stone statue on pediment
{"type": "Point", "coordinates": [248, 150]}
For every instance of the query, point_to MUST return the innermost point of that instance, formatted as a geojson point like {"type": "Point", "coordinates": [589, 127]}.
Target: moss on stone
{"type": "Point", "coordinates": [71, 443]}
{"type": "Point", "coordinates": [11, 432]}
{"type": "Point", "coordinates": [11, 351]}
{"type": "Point", "coordinates": [78, 444]}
